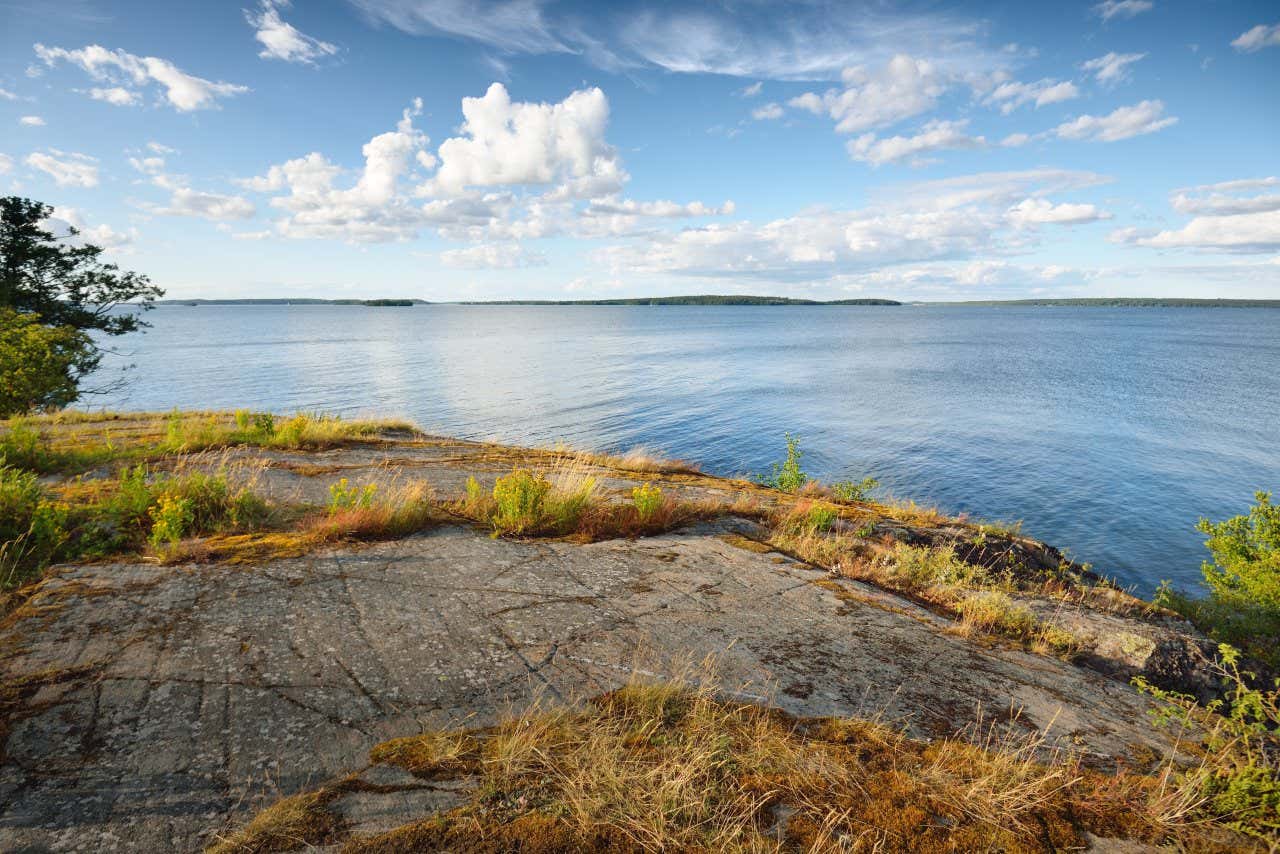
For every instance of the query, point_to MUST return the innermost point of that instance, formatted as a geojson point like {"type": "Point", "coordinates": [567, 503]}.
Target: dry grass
{"type": "Point", "coordinates": [286, 825]}
{"type": "Point", "coordinates": [673, 766]}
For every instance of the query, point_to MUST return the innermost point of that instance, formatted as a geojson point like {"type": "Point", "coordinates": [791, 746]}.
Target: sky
{"type": "Point", "coordinates": [446, 150]}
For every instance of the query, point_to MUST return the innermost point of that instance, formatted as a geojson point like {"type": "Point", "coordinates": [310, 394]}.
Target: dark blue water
{"type": "Point", "coordinates": [1107, 431]}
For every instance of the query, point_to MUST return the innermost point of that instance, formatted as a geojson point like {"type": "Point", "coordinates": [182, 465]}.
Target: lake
{"type": "Point", "coordinates": [1106, 431]}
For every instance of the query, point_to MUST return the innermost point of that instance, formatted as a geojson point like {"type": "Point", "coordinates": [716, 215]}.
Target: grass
{"type": "Point", "coordinates": [68, 442]}
{"type": "Point", "coordinates": [675, 766]}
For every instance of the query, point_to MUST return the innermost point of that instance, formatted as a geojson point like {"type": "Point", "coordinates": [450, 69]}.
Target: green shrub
{"type": "Point", "coordinates": [33, 529]}
{"type": "Point", "coordinates": [787, 475]}
{"type": "Point", "coordinates": [920, 566]}
{"type": "Point", "coordinates": [1243, 580]}
{"type": "Point", "coordinates": [647, 500]}
{"type": "Point", "coordinates": [519, 499]}
{"type": "Point", "coordinates": [820, 518]}
{"type": "Point", "coordinates": [344, 496]}
{"type": "Point", "coordinates": [40, 366]}
{"type": "Point", "coordinates": [848, 490]}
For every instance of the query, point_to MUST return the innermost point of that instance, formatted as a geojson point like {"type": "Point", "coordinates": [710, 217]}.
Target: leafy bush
{"type": "Point", "coordinates": [40, 365]}
{"type": "Point", "coordinates": [915, 567]}
{"type": "Point", "coordinates": [647, 500]}
{"type": "Point", "coordinates": [848, 490]}
{"type": "Point", "coordinates": [519, 499]}
{"type": "Point", "coordinates": [787, 475]}
{"type": "Point", "coordinates": [820, 518]}
{"type": "Point", "coordinates": [33, 529]}
{"type": "Point", "coordinates": [1243, 607]}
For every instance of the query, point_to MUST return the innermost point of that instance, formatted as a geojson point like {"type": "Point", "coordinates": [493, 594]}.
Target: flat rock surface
{"type": "Point", "coordinates": [173, 701]}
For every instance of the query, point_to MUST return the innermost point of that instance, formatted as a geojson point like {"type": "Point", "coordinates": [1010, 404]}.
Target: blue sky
{"type": "Point", "coordinates": [449, 150]}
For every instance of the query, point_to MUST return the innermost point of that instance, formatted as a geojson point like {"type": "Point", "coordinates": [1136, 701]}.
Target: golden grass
{"type": "Point", "coordinates": [286, 825]}
{"type": "Point", "coordinates": [675, 766]}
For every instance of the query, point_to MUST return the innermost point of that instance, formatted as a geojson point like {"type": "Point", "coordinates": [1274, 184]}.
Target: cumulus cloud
{"type": "Point", "coordinates": [932, 221]}
{"type": "Point", "coordinates": [184, 92]}
{"type": "Point", "coordinates": [1032, 212]}
{"type": "Point", "coordinates": [31, 121]}
{"type": "Point", "coordinates": [1010, 95]}
{"type": "Point", "coordinates": [902, 88]}
{"type": "Point", "coordinates": [213, 206]}
{"type": "Point", "coordinates": [934, 136]}
{"type": "Point", "coordinates": [117, 95]}
{"type": "Point", "coordinates": [68, 169]}
{"type": "Point", "coordinates": [99, 235]}
{"type": "Point", "coordinates": [280, 40]}
{"type": "Point", "coordinates": [767, 111]}
{"type": "Point", "coordinates": [1113, 67]}
{"type": "Point", "coordinates": [1141, 118]}
{"type": "Point", "coordinates": [504, 142]}
{"type": "Point", "coordinates": [1108, 9]}
{"type": "Point", "coordinates": [492, 256]}
{"type": "Point", "coordinates": [1256, 38]}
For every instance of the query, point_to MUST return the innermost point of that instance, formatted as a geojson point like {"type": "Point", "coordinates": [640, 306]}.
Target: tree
{"type": "Point", "coordinates": [62, 284]}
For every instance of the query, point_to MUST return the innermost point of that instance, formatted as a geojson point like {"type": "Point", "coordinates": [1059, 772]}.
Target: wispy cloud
{"type": "Point", "coordinates": [184, 92]}
{"type": "Point", "coordinates": [1256, 38]}
{"type": "Point", "coordinates": [280, 40]}
{"type": "Point", "coordinates": [1109, 9]}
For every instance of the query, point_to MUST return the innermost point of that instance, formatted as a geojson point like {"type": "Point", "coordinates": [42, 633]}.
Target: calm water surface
{"type": "Point", "coordinates": [1108, 431]}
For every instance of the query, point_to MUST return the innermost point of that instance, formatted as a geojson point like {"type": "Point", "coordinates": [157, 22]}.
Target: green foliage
{"type": "Point", "coordinates": [1243, 606]}
{"type": "Point", "coordinates": [40, 365]}
{"type": "Point", "coordinates": [1238, 779]}
{"type": "Point", "coordinates": [64, 286]}
{"type": "Point", "coordinates": [920, 566]}
{"type": "Point", "coordinates": [848, 490]}
{"type": "Point", "coordinates": [820, 518]}
{"type": "Point", "coordinates": [32, 528]}
{"type": "Point", "coordinates": [788, 476]}
{"type": "Point", "coordinates": [647, 500]}
{"type": "Point", "coordinates": [344, 496]}
{"type": "Point", "coordinates": [255, 423]}
{"type": "Point", "coordinates": [171, 518]}
{"type": "Point", "coordinates": [529, 503]}
{"type": "Point", "coordinates": [519, 499]}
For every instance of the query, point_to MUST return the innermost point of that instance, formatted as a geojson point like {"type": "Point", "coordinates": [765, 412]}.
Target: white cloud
{"type": "Point", "coordinates": [808, 41]}
{"type": "Point", "coordinates": [1109, 9]}
{"type": "Point", "coordinates": [1230, 216]}
{"type": "Point", "coordinates": [99, 235]}
{"type": "Point", "coordinates": [1113, 67]}
{"type": "Point", "coordinates": [492, 256]}
{"type": "Point", "coordinates": [1257, 38]}
{"type": "Point", "coordinates": [212, 206]}
{"type": "Point", "coordinates": [902, 88]}
{"type": "Point", "coordinates": [148, 165]}
{"type": "Point", "coordinates": [1032, 212]}
{"type": "Point", "coordinates": [67, 169]}
{"type": "Point", "coordinates": [934, 136]}
{"type": "Point", "coordinates": [6, 95]}
{"type": "Point", "coordinates": [767, 111]}
{"type": "Point", "coordinates": [1246, 232]}
{"type": "Point", "coordinates": [6, 163]}
{"type": "Point", "coordinates": [1228, 197]}
{"type": "Point", "coordinates": [31, 121]}
{"type": "Point", "coordinates": [1010, 95]}
{"type": "Point", "coordinates": [752, 90]}
{"type": "Point", "coordinates": [1141, 118]}
{"type": "Point", "coordinates": [158, 148]}
{"type": "Point", "coordinates": [117, 95]}
{"type": "Point", "coordinates": [937, 220]}
{"type": "Point", "coordinates": [1015, 140]}
{"type": "Point", "coordinates": [280, 40]}
{"type": "Point", "coordinates": [505, 142]}
{"type": "Point", "coordinates": [371, 210]}
{"type": "Point", "coordinates": [183, 91]}
{"type": "Point", "coordinates": [630, 207]}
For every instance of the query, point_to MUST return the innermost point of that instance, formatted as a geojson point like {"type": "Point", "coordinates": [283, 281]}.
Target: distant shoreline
{"type": "Point", "coordinates": [715, 300]}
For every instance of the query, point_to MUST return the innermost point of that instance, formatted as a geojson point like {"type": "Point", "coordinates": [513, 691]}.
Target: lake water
{"type": "Point", "coordinates": [1107, 431]}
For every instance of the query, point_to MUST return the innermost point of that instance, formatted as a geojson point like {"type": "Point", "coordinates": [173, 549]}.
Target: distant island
{"type": "Point", "coordinates": [743, 299]}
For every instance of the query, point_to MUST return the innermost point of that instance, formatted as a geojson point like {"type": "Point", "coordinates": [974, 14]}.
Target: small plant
{"type": "Point", "coordinates": [820, 519]}
{"type": "Point", "coordinates": [171, 518]}
{"type": "Point", "coordinates": [344, 496]}
{"type": "Point", "coordinates": [519, 499]}
{"type": "Point", "coordinates": [647, 500]}
{"type": "Point", "coordinates": [788, 476]}
{"type": "Point", "coordinates": [1238, 778]}
{"type": "Point", "coordinates": [848, 490]}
